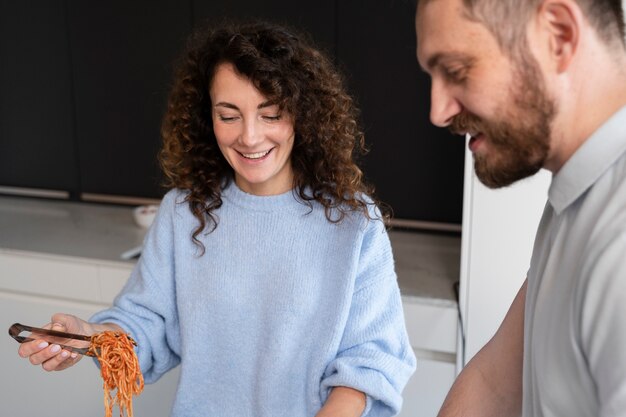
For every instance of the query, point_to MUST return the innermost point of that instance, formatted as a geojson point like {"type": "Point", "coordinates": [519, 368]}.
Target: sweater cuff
{"type": "Point", "coordinates": [368, 405]}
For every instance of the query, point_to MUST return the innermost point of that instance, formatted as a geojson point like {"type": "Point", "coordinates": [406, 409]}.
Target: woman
{"type": "Point", "coordinates": [267, 274]}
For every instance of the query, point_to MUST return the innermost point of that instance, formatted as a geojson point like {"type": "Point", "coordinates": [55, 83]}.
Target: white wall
{"type": "Point", "coordinates": [498, 234]}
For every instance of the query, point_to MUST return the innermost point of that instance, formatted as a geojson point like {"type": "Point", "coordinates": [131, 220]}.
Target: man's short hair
{"type": "Point", "coordinates": [506, 19]}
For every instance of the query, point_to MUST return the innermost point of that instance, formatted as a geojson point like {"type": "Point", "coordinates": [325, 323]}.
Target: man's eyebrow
{"type": "Point", "coordinates": [435, 60]}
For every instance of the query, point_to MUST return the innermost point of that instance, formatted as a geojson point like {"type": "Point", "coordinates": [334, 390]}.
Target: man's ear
{"type": "Point", "coordinates": [561, 20]}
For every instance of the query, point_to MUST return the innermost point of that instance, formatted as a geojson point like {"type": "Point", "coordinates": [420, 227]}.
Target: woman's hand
{"type": "Point", "coordinates": [50, 356]}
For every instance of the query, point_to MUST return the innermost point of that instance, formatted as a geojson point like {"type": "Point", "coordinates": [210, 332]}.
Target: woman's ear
{"type": "Point", "coordinates": [561, 20]}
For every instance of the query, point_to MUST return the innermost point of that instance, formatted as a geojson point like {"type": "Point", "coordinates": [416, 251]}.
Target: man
{"type": "Point", "coordinates": [542, 84]}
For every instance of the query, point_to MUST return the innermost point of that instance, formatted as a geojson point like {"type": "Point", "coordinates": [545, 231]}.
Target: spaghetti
{"type": "Point", "coordinates": [119, 368]}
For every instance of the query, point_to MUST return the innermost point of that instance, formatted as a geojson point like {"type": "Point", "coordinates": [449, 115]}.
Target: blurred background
{"type": "Point", "coordinates": [84, 87]}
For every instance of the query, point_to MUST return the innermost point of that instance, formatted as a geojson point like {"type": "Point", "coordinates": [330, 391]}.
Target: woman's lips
{"type": "Point", "coordinates": [256, 156]}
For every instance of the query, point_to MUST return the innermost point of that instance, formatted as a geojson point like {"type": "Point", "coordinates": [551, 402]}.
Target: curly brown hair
{"type": "Point", "coordinates": [287, 70]}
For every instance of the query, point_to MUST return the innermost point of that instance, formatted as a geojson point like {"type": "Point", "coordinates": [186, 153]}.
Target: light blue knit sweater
{"type": "Point", "coordinates": [283, 306]}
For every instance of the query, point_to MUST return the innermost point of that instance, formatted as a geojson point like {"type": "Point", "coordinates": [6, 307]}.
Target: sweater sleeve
{"type": "Point", "coordinates": [375, 355]}
{"type": "Point", "coordinates": [146, 308]}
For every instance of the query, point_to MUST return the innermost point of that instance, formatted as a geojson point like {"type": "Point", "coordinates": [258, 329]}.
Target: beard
{"type": "Point", "coordinates": [519, 138]}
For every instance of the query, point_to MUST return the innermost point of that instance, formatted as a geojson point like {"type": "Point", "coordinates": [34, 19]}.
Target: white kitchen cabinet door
{"type": "Point", "coordinates": [432, 327]}
{"type": "Point", "coordinates": [427, 388]}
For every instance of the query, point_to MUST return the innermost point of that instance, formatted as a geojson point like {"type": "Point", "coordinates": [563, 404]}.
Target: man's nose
{"type": "Point", "coordinates": [443, 105]}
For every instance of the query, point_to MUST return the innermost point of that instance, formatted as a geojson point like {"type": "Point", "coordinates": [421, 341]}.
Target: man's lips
{"type": "Point", "coordinates": [475, 141]}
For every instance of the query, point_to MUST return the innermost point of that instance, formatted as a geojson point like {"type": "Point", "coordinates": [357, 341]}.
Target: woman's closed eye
{"type": "Point", "coordinates": [228, 118]}
{"type": "Point", "coordinates": [272, 118]}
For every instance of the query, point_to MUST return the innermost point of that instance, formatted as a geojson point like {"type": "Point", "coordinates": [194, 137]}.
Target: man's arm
{"type": "Point", "coordinates": [491, 383]}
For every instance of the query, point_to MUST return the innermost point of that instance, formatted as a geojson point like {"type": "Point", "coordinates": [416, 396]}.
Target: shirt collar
{"type": "Point", "coordinates": [589, 162]}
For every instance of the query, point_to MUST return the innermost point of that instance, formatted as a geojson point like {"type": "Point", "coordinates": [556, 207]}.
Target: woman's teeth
{"type": "Point", "coordinates": [257, 155]}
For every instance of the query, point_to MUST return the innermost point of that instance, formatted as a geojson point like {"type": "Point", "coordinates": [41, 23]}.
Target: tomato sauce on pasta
{"type": "Point", "coordinates": [119, 368]}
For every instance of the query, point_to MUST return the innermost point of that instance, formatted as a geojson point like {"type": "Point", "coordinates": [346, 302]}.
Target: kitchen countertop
{"type": "Point", "coordinates": [80, 230]}
{"type": "Point", "coordinates": [427, 264]}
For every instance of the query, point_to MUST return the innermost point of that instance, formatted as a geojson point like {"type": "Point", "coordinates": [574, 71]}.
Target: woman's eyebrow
{"type": "Point", "coordinates": [266, 104]}
{"type": "Point", "coordinates": [227, 105]}
{"type": "Point", "coordinates": [232, 106]}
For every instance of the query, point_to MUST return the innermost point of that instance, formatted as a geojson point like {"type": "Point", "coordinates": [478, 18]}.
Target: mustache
{"type": "Point", "coordinates": [465, 122]}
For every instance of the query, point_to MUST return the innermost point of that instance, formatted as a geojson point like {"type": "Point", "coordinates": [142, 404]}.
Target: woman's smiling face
{"type": "Point", "coordinates": [254, 135]}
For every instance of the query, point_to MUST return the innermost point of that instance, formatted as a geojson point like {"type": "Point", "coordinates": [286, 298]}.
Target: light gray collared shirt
{"type": "Point", "coordinates": [575, 318]}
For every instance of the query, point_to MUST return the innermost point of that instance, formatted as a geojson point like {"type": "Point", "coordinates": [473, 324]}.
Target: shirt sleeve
{"type": "Point", "coordinates": [375, 355]}
{"type": "Point", "coordinates": [146, 307]}
{"type": "Point", "coordinates": [603, 329]}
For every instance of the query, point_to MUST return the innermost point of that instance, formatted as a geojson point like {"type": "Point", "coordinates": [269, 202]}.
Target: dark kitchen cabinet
{"type": "Point", "coordinates": [315, 18]}
{"type": "Point", "coordinates": [122, 57]}
{"type": "Point", "coordinates": [416, 167]}
{"type": "Point", "coordinates": [36, 120]}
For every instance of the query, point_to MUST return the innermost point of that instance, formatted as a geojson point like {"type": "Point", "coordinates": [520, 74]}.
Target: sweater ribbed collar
{"type": "Point", "coordinates": [267, 203]}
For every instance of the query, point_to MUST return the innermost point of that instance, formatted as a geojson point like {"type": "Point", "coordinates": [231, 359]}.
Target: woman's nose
{"type": "Point", "coordinates": [443, 105]}
{"type": "Point", "coordinates": [251, 134]}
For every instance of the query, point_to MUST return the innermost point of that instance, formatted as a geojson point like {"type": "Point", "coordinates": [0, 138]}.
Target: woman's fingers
{"type": "Point", "coordinates": [61, 359]}
{"type": "Point", "coordinates": [27, 349]}
{"type": "Point", "coordinates": [50, 356]}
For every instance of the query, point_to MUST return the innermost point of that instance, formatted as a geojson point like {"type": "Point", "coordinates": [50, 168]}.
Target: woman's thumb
{"type": "Point", "coordinates": [59, 321]}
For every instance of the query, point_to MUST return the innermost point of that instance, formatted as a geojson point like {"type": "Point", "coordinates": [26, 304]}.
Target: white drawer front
{"type": "Point", "coordinates": [112, 279]}
{"type": "Point", "coordinates": [49, 277]}
{"type": "Point", "coordinates": [431, 327]}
